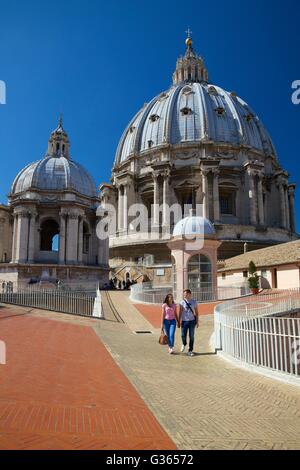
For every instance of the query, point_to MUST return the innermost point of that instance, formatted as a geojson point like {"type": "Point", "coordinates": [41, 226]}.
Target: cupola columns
{"type": "Point", "coordinates": [32, 237]}
{"type": "Point", "coordinates": [62, 239]}
{"type": "Point", "coordinates": [190, 67]}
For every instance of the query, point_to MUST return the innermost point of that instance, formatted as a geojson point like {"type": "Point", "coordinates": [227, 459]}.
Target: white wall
{"type": "Point", "coordinates": [231, 279]}
{"type": "Point", "coordinates": [287, 277]}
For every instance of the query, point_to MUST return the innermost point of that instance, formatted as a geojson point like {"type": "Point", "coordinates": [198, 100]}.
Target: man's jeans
{"type": "Point", "coordinates": [188, 326]}
{"type": "Point", "coordinates": [170, 327]}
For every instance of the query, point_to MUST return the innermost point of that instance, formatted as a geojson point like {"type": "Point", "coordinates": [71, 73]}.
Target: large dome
{"type": "Point", "coordinates": [56, 171]}
{"type": "Point", "coordinates": [193, 111]}
{"type": "Point", "coordinates": [54, 174]}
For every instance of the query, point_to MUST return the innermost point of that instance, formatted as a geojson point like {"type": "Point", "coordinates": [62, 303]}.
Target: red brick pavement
{"type": "Point", "coordinates": [152, 313]}
{"type": "Point", "coordinates": [61, 389]}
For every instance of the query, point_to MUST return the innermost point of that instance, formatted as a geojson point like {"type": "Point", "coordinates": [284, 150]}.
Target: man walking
{"type": "Point", "coordinates": [188, 320]}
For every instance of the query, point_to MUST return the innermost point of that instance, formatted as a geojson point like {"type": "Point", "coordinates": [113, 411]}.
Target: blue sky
{"type": "Point", "coordinates": [99, 62]}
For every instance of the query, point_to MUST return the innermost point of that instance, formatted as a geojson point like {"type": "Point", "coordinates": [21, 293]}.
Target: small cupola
{"type": "Point", "coordinates": [59, 145]}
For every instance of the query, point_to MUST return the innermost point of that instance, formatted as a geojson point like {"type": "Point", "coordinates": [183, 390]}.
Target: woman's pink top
{"type": "Point", "coordinates": [169, 311]}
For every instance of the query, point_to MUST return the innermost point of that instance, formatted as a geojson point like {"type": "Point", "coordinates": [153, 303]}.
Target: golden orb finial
{"type": "Point", "coordinates": [189, 41]}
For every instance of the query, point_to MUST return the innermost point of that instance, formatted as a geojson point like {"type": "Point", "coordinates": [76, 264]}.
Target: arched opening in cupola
{"type": "Point", "coordinates": [49, 234]}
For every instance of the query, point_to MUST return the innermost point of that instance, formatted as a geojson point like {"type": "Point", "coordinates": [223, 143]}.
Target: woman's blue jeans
{"type": "Point", "coordinates": [170, 327]}
{"type": "Point", "coordinates": [188, 326]}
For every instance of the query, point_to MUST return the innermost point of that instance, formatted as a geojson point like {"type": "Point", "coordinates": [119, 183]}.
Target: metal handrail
{"type": "Point", "coordinates": [78, 303]}
{"type": "Point", "coordinates": [147, 293]}
{"type": "Point", "coordinates": [261, 331]}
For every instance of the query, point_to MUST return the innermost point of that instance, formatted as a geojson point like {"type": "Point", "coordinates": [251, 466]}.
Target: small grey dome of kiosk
{"type": "Point", "coordinates": [193, 225]}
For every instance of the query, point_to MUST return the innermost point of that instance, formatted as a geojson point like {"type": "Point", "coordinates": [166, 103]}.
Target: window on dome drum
{"type": "Point", "coordinates": [188, 201]}
{"type": "Point", "coordinates": [227, 201]}
{"type": "Point", "coordinates": [199, 274]}
{"type": "Point", "coordinates": [49, 234]}
{"type": "Point", "coordinates": [150, 143]}
{"type": "Point", "coordinates": [57, 147]}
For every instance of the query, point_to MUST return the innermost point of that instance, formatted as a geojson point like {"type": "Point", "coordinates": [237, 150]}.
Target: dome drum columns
{"type": "Point", "coordinates": [32, 236]}
{"type": "Point", "coordinates": [215, 172]}
{"type": "Point", "coordinates": [166, 202]}
{"type": "Point", "coordinates": [155, 201]}
{"type": "Point", "coordinates": [21, 248]}
{"type": "Point", "coordinates": [291, 199]}
{"type": "Point", "coordinates": [122, 222]}
{"type": "Point", "coordinates": [63, 238]}
{"type": "Point", "coordinates": [286, 201]}
{"type": "Point", "coordinates": [71, 237]}
{"type": "Point", "coordinates": [103, 245]}
{"type": "Point", "coordinates": [161, 180]}
{"type": "Point", "coordinates": [23, 243]}
{"type": "Point", "coordinates": [255, 173]}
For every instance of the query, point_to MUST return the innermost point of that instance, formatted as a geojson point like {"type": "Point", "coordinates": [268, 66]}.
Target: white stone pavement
{"type": "Point", "coordinates": [202, 402]}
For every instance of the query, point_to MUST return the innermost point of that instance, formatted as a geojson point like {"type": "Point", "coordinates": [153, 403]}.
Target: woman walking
{"type": "Point", "coordinates": [169, 319]}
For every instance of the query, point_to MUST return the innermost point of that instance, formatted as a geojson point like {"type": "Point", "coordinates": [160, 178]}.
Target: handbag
{"type": "Point", "coordinates": [163, 339]}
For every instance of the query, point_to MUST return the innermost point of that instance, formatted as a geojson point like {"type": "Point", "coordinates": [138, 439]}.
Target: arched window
{"type": "Point", "coordinates": [199, 273]}
{"type": "Point", "coordinates": [49, 235]}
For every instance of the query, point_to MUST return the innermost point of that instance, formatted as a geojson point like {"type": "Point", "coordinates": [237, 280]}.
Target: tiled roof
{"type": "Point", "coordinates": [285, 253]}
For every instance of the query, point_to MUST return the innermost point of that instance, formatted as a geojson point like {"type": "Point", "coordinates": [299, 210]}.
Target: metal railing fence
{"type": "Point", "coordinates": [146, 293]}
{"type": "Point", "coordinates": [261, 331]}
{"type": "Point", "coordinates": [77, 303]}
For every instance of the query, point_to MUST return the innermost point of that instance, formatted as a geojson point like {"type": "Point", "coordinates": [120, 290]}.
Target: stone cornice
{"type": "Point", "coordinates": [213, 147]}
